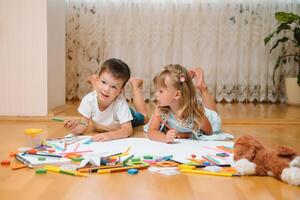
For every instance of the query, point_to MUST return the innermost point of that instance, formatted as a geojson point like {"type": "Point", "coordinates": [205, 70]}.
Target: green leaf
{"type": "Point", "coordinates": [282, 40]}
{"type": "Point", "coordinates": [297, 35]}
{"type": "Point", "coordinates": [283, 26]}
{"type": "Point", "coordinates": [283, 17]}
{"type": "Point", "coordinates": [268, 38]}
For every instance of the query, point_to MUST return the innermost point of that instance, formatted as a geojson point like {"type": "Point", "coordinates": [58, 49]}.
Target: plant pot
{"type": "Point", "coordinates": [292, 91]}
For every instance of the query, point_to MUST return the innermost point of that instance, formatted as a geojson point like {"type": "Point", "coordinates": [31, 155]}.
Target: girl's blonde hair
{"type": "Point", "coordinates": [180, 79]}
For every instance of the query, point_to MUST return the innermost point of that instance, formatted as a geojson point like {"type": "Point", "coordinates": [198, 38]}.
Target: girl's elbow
{"type": "Point", "coordinates": [207, 130]}
{"type": "Point", "coordinates": [151, 135]}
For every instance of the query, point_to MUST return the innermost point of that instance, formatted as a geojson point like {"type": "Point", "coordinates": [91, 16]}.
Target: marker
{"type": "Point", "coordinates": [167, 157]}
{"type": "Point", "coordinates": [208, 173]}
{"type": "Point", "coordinates": [127, 150]}
{"type": "Point", "coordinates": [115, 154]}
{"type": "Point", "coordinates": [77, 152]}
{"type": "Point", "coordinates": [95, 169]}
{"type": "Point", "coordinates": [215, 149]}
{"type": "Point", "coordinates": [219, 165]}
{"type": "Point", "coordinates": [42, 154]}
{"type": "Point", "coordinates": [62, 120]}
{"type": "Point", "coordinates": [127, 159]}
{"type": "Point", "coordinates": [211, 161]}
{"type": "Point", "coordinates": [88, 141]}
{"type": "Point", "coordinates": [164, 123]}
{"type": "Point", "coordinates": [225, 149]}
{"type": "Point", "coordinates": [121, 169]}
{"type": "Point", "coordinates": [175, 161]}
{"type": "Point", "coordinates": [68, 172]}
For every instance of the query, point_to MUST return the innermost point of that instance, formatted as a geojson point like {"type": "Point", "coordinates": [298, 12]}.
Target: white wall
{"type": "Point", "coordinates": [24, 59]}
{"type": "Point", "coordinates": [56, 53]}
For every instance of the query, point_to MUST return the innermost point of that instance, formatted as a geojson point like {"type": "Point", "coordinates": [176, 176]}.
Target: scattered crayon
{"type": "Point", "coordinates": [41, 171]}
{"type": "Point", "coordinates": [5, 162]}
{"type": "Point", "coordinates": [18, 166]}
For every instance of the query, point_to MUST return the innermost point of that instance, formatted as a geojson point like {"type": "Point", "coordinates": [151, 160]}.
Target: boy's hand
{"type": "Point", "coordinates": [70, 123]}
{"type": "Point", "coordinates": [170, 136]}
{"type": "Point", "coordinates": [101, 137]}
{"type": "Point", "coordinates": [93, 80]}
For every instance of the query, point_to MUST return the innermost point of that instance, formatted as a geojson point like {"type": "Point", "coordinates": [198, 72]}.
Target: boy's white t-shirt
{"type": "Point", "coordinates": [113, 116]}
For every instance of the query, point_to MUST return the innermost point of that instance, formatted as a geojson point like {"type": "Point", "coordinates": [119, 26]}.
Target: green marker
{"type": "Point", "coordinates": [62, 120]}
{"type": "Point", "coordinates": [77, 159]}
{"type": "Point", "coordinates": [127, 159]}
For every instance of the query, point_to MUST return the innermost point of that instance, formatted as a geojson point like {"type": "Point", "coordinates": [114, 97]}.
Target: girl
{"type": "Point", "coordinates": [178, 113]}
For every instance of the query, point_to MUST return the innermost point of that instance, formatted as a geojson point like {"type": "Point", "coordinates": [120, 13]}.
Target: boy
{"type": "Point", "coordinates": [106, 107]}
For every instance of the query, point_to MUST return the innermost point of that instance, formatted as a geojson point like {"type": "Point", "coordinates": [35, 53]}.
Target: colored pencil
{"type": "Point", "coordinates": [212, 159]}
{"type": "Point", "coordinates": [219, 165]}
{"type": "Point", "coordinates": [215, 149]}
{"type": "Point", "coordinates": [68, 172]}
{"type": "Point", "coordinates": [63, 153]}
{"type": "Point", "coordinates": [121, 169]}
{"type": "Point", "coordinates": [228, 150]}
{"type": "Point", "coordinates": [208, 173]}
{"type": "Point", "coordinates": [95, 169]}
{"type": "Point", "coordinates": [62, 120]}
{"type": "Point", "coordinates": [42, 154]}
{"type": "Point", "coordinates": [208, 160]}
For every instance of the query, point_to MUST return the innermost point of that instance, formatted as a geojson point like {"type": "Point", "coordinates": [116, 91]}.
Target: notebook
{"type": "Point", "coordinates": [33, 161]}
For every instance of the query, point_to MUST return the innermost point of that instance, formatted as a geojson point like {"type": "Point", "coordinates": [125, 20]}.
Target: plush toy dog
{"type": "Point", "coordinates": [253, 158]}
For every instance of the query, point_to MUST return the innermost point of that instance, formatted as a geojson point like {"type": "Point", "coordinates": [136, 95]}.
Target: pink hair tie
{"type": "Point", "coordinates": [181, 78]}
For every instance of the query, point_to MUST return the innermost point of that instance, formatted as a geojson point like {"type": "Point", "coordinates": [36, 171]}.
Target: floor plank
{"type": "Point", "coordinates": [25, 184]}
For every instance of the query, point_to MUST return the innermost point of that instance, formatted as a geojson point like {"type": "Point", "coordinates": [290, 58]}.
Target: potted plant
{"type": "Point", "coordinates": [287, 34]}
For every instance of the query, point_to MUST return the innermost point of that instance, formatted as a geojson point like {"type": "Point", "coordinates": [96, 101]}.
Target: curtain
{"type": "Point", "coordinates": [224, 37]}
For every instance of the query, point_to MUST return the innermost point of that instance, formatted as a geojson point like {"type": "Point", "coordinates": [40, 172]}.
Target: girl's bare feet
{"type": "Point", "coordinates": [138, 97]}
{"type": "Point", "coordinates": [136, 83]}
{"type": "Point", "coordinates": [198, 74]}
{"type": "Point", "coordinates": [207, 99]}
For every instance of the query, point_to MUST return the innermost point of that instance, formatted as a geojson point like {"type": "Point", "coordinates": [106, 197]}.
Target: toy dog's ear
{"type": "Point", "coordinates": [248, 146]}
{"type": "Point", "coordinates": [251, 153]}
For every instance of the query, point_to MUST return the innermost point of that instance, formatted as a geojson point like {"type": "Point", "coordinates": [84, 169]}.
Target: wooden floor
{"type": "Point", "coordinates": [273, 124]}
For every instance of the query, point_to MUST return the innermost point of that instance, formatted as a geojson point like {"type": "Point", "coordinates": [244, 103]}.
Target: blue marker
{"type": "Point", "coordinates": [167, 157]}
{"type": "Point", "coordinates": [89, 141]}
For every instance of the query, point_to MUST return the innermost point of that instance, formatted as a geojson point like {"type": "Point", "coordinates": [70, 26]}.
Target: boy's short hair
{"type": "Point", "coordinates": [117, 68]}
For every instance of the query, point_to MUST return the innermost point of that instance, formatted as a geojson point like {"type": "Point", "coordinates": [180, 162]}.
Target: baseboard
{"type": "Point", "coordinates": [262, 121]}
